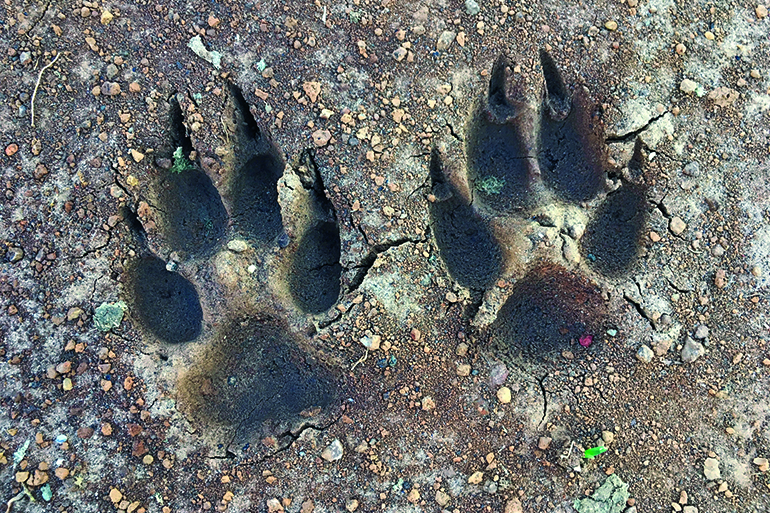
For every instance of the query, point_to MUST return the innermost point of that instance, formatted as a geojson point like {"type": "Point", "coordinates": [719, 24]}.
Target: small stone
{"type": "Point", "coordinates": [513, 506]}
{"type": "Point", "coordinates": [238, 245]}
{"type": "Point", "coordinates": [321, 137]}
{"type": "Point", "coordinates": [462, 349]}
{"type": "Point", "coordinates": [476, 477]}
{"type": "Point", "coordinates": [608, 437]}
{"type": "Point", "coordinates": [701, 332]}
{"type": "Point", "coordinates": [67, 384]}
{"type": "Point", "coordinates": [720, 278]}
{"type": "Point", "coordinates": [690, 509]}
{"type": "Point", "coordinates": [711, 469]}
{"type": "Point", "coordinates": [414, 496]}
{"type": "Point", "coordinates": [762, 463]}
{"type": "Point", "coordinates": [451, 297]}
{"type": "Point", "coordinates": [372, 343]}
{"type": "Point", "coordinates": [472, 7]}
{"type": "Point", "coordinates": [274, 506]}
{"type": "Point", "coordinates": [106, 17]}
{"type": "Point", "coordinates": [544, 443]}
{"type": "Point", "coordinates": [661, 345]}
{"type": "Point", "coordinates": [213, 21]}
{"type": "Point", "coordinates": [692, 350]}
{"type": "Point", "coordinates": [445, 40]}
{"type": "Point", "coordinates": [709, 35]}
{"type": "Point", "coordinates": [14, 254]}
{"type": "Point", "coordinates": [463, 370]}
{"type": "Point", "coordinates": [442, 498]}
{"type": "Point", "coordinates": [677, 226]}
{"type": "Point", "coordinates": [654, 237]}
{"type": "Point", "coordinates": [112, 71]}
{"type": "Point", "coordinates": [333, 451]}
{"type": "Point", "coordinates": [21, 477]}
{"type": "Point", "coordinates": [680, 49]}
{"type": "Point", "coordinates": [761, 11]}
{"type": "Point", "coordinates": [504, 395]}
{"type": "Point", "coordinates": [61, 473]}
{"type": "Point", "coordinates": [108, 316]}
{"type": "Point", "coordinates": [644, 354]}
{"type": "Point", "coordinates": [723, 96]}
{"type": "Point", "coordinates": [427, 403]}
{"type": "Point", "coordinates": [611, 25]}
{"type": "Point", "coordinates": [688, 86]}
{"type": "Point", "coordinates": [692, 169]}
{"type": "Point", "coordinates": [399, 53]}
{"type": "Point", "coordinates": [756, 271]}
{"type": "Point", "coordinates": [110, 88]}
{"type": "Point", "coordinates": [115, 495]}
{"type": "Point", "coordinates": [11, 149]}
{"type": "Point", "coordinates": [85, 432]}
{"type": "Point", "coordinates": [134, 87]}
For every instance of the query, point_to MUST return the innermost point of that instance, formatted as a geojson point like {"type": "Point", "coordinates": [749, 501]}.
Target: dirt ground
{"type": "Point", "coordinates": [254, 256]}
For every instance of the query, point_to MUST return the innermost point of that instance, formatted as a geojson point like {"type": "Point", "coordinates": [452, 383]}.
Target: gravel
{"type": "Point", "coordinates": [692, 350]}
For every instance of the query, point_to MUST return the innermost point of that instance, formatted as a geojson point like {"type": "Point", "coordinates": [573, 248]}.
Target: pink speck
{"type": "Point", "coordinates": [586, 340]}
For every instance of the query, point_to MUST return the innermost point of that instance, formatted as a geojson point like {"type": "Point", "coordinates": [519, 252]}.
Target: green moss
{"type": "Point", "coordinates": [181, 163]}
{"type": "Point", "coordinates": [491, 185]}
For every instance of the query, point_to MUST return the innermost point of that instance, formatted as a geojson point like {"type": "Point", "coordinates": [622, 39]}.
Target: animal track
{"type": "Point", "coordinates": [527, 174]}
{"type": "Point", "coordinates": [249, 375]}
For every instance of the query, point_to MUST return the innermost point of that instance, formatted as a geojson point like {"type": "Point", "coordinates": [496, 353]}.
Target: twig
{"type": "Point", "coordinates": [9, 505]}
{"type": "Point", "coordinates": [361, 360]}
{"type": "Point", "coordinates": [37, 85]}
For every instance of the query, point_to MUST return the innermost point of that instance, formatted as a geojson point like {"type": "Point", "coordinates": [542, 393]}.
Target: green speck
{"type": "Point", "coordinates": [612, 332]}
{"type": "Point", "coordinates": [261, 65]}
{"type": "Point", "coordinates": [491, 185]}
{"type": "Point", "coordinates": [109, 315]}
{"type": "Point", "coordinates": [593, 452]}
{"type": "Point", "coordinates": [78, 480]}
{"type": "Point", "coordinates": [46, 492]}
{"type": "Point", "coordinates": [181, 163]}
{"type": "Point", "coordinates": [355, 16]}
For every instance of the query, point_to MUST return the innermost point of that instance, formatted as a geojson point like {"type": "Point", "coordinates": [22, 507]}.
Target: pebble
{"type": "Point", "coordinates": [504, 395]}
{"type": "Point", "coordinates": [115, 495]}
{"type": "Point", "coordinates": [106, 17]}
{"type": "Point", "coordinates": [11, 149]}
{"type": "Point", "coordinates": [692, 350]}
{"type": "Point", "coordinates": [476, 477]}
{"type": "Point", "coordinates": [372, 343]}
{"type": "Point", "coordinates": [112, 71]}
{"type": "Point", "coordinates": [711, 469]}
{"type": "Point", "coordinates": [680, 49]}
{"type": "Point", "coordinates": [762, 463]}
{"type": "Point", "coordinates": [761, 11]}
{"type": "Point", "coordinates": [720, 278]}
{"type": "Point", "coordinates": [237, 245]}
{"type": "Point", "coordinates": [14, 254]}
{"type": "Point", "coordinates": [321, 137]}
{"type": "Point", "coordinates": [399, 53]}
{"type": "Point", "coordinates": [544, 443]}
{"type": "Point", "coordinates": [463, 370]}
{"type": "Point", "coordinates": [756, 271]}
{"type": "Point", "coordinates": [690, 509]}
{"type": "Point", "coordinates": [692, 169]}
{"type": "Point", "coordinates": [445, 40]}
{"type": "Point", "coordinates": [442, 498]}
{"type": "Point", "coordinates": [333, 451]}
{"type": "Point", "coordinates": [701, 332]}
{"type": "Point", "coordinates": [644, 354]}
{"type": "Point", "coordinates": [472, 7]}
{"type": "Point", "coordinates": [462, 349]}
{"type": "Point", "coordinates": [688, 86]}
{"type": "Point", "coordinates": [611, 25]}
{"type": "Point", "coordinates": [514, 506]}
{"type": "Point", "coordinates": [718, 251]}
{"type": "Point", "coordinates": [427, 403]}
{"type": "Point", "coordinates": [110, 88]}
{"type": "Point", "coordinates": [677, 226]}
{"type": "Point", "coordinates": [24, 58]}
{"type": "Point", "coordinates": [274, 506]}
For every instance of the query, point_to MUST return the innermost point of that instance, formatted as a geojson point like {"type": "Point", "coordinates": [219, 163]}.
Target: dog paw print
{"type": "Point", "coordinates": [533, 214]}
{"type": "Point", "coordinates": [222, 268]}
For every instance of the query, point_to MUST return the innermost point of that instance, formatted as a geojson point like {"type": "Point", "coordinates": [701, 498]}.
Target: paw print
{"type": "Point", "coordinates": [220, 271]}
{"type": "Point", "coordinates": [533, 202]}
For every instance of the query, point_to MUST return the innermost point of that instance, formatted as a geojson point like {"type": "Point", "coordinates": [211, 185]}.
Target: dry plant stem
{"type": "Point", "coordinates": [37, 85]}
{"type": "Point", "coordinates": [9, 505]}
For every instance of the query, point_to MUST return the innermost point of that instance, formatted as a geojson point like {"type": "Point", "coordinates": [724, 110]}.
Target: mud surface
{"type": "Point", "coordinates": [384, 256]}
